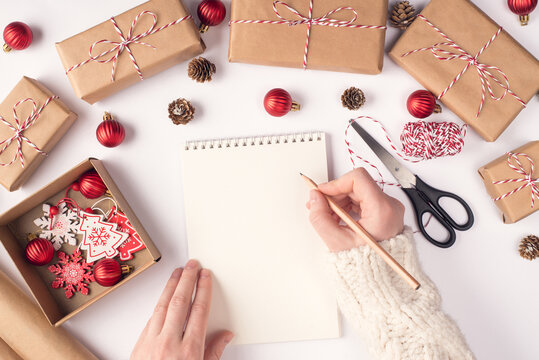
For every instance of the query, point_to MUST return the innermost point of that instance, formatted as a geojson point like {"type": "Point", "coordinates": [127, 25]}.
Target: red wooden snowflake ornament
{"type": "Point", "coordinates": [73, 273]}
{"type": "Point", "coordinates": [134, 242]}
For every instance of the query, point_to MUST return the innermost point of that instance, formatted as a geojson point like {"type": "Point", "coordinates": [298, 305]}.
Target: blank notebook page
{"type": "Point", "coordinates": [247, 222]}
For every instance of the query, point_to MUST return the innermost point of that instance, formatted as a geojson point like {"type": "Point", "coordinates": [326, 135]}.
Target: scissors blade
{"type": "Point", "coordinates": [404, 176]}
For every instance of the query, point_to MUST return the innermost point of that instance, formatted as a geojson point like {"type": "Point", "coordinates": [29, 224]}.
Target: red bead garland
{"type": "Point", "coordinates": [278, 102]}
{"type": "Point", "coordinates": [91, 185]}
{"type": "Point", "coordinates": [108, 272]}
{"type": "Point", "coordinates": [422, 103]}
{"type": "Point", "coordinates": [210, 13]}
{"type": "Point", "coordinates": [110, 133]}
{"type": "Point", "coordinates": [39, 252]}
{"type": "Point", "coordinates": [18, 36]}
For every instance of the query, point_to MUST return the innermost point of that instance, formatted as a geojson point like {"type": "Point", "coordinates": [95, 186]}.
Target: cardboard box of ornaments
{"type": "Point", "coordinates": [58, 301]}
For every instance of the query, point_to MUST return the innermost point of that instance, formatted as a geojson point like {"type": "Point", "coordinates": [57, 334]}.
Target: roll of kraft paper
{"type": "Point", "coordinates": [7, 352]}
{"type": "Point", "coordinates": [24, 328]}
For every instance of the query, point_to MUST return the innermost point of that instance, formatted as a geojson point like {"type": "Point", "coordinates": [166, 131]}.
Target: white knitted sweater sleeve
{"type": "Point", "coordinates": [395, 321]}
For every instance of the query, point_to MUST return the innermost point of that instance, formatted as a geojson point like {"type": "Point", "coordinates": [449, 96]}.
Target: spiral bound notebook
{"type": "Point", "coordinates": [247, 222]}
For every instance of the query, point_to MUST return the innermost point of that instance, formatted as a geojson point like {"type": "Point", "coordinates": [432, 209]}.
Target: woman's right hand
{"type": "Point", "coordinates": [380, 214]}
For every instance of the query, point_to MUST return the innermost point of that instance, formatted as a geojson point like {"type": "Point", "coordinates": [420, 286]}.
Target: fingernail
{"type": "Point", "coordinates": [205, 273]}
{"type": "Point", "coordinates": [191, 264]}
{"type": "Point", "coordinates": [229, 338]}
{"type": "Point", "coordinates": [176, 273]}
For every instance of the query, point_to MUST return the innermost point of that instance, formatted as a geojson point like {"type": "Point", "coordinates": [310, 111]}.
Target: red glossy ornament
{"type": "Point", "coordinates": [108, 272]}
{"type": "Point", "coordinates": [54, 210]}
{"type": "Point", "coordinates": [110, 133]}
{"type": "Point", "coordinates": [522, 8]}
{"type": "Point", "coordinates": [89, 210]}
{"type": "Point", "coordinates": [91, 185]}
{"type": "Point", "coordinates": [278, 102]}
{"type": "Point", "coordinates": [18, 36]}
{"type": "Point", "coordinates": [210, 13]}
{"type": "Point", "coordinates": [39, 252]}
{"type": "Point", "coordinates": [422, 103]}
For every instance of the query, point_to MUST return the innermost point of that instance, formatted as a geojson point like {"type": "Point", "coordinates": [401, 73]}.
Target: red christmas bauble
{"type": "Point", "coordinates": [210, 13]}
{"type": "Point", "coordinates": [110, 133]}
{"type": "Point", "coordinates": [39, 252]}
{"type": "Point", "coordinates": [422, 103]}
{"type": "Point", "coordinates": [108, 272]}
{"type": "Point", "coordinates": [18, 36]}
{"type": "Point", "coordinates": [522, 8]}
{"type": "Point", "coordinates": [278, 102]}
{"type": "Point", "coordinates": [91, 185]}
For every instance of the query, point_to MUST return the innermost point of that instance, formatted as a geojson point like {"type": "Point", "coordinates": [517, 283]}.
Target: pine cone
{"type": "Point", "coordinates": [201, 69]}
{"type": "Point", "coordinates": [529, 247]}
{"type": "Point", "coordinates": [402, 15]}
{"type": "Point", "coordinates": [353, 98]}
{"type": "Point", "coordinates": [181, 111]}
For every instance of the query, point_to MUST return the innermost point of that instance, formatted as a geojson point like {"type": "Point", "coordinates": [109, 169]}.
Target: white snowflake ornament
{"type": "Point", "coordinates": [64, 228]}
{"type": "Point", "coordinates": [100, 238]}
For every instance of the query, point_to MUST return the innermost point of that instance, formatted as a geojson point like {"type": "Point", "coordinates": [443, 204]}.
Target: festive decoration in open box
{"type": "Point", "coordinates": [338, 35]}
{"type": "Point", "coordinates": [32, 121]}
{"type": "Point", "coordinates": [512, 180]}
{"type": "Point", "coordinates": [474, 67]}
{"type": "Point", "coordinates": [128, 48]}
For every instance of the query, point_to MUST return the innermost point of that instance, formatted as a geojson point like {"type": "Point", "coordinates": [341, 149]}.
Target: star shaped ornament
{"type": "Point", "coordinates": [62, 229]}
{"type": "Point", "coordinates": [100, 238]}
{"type": "Point", "coordinates": [134, 242]}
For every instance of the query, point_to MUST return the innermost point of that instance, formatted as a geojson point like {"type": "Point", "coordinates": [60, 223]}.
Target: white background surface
{"type": "Point", "coordinates": [491, 292]}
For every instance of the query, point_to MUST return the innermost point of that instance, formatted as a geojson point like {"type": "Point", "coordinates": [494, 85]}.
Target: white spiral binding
{"type": "Point", "coordinates": [254, 141]}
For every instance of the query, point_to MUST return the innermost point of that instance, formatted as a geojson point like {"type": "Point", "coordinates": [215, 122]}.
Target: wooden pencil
{"type": "Point", "coordinates": [363, 234]}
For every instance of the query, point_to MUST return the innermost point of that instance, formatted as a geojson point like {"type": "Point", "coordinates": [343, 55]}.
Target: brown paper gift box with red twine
{"type": "Point", "coordinates": [512, 180]}
{"type": "Point", "coordinates": [337, 35]}
{"type": "Point", "coordinates": [458, 53]}
{"type": "Point", "coordinates": [128, 48]}
{"type": "Point", "coordinates": [32, 121]}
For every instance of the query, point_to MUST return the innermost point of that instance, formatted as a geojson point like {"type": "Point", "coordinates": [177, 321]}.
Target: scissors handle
{"type": "Point", "coordinates": [426, 199]}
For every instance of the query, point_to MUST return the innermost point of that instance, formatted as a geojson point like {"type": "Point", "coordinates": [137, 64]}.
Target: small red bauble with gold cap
{"type": "Point", "coordinates": [110, 133]}
{"type": "Point", "coordinates": [422, 103]}
{"type": "Point", "coordinates": [39, 251]}
{"type": "Point", "coordinates": [278, 102]}
{"type": "Point", "coordinates": [108, 272]}
{"type": "Point", "coordinates": [210, 13]}
{"type": "Point", "coordinates": [522, 8]}
{"type": "Point", "coordinates": [17, 36]}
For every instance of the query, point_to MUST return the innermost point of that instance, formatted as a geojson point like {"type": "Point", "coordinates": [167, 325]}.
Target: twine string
{"type": "Point", "coordinates": [20, 127]}
{"type": "Point", "coordinates": [527, 178]}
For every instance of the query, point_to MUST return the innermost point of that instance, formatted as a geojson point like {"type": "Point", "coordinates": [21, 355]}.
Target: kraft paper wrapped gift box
{"type": "Point", "coordinates": [43, 119]}
{"type": "Point", "coordinates": [17, 222]}
{"type": "Point", "coordinates": [264, 35]}
{"type": "Point", "coordinates": [157, 35]}
{"type": "Point", "coordinates": [512, 184]}
{"type": "Point", "coordinates": [471, 43]}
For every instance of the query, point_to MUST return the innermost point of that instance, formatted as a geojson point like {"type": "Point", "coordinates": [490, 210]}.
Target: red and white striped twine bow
{"type": "Point", "coordinates": [120, 46]}
{"type": "Point", "coordinates": [20, 128]}
{"type": "Point", "coordinates": [485, 72]}
{"type": "Point", "coordinates": [323, 20]}
{"type": "Point", "coordinates": [527, 180]}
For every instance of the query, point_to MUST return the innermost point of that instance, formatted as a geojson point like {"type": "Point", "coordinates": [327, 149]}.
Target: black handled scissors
{"type": "Point", "coordinates": [424, 198]}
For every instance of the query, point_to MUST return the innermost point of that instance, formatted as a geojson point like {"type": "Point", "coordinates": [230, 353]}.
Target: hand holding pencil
{"type": "Point", "coordinates": [380, 216]}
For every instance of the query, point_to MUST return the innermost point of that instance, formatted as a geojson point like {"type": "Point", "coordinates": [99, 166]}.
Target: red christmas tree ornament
{"type": "Point", "coordinates": [210, 13]}
{"type": "Point", "coordinates": [108, 272]}
{"type": "Point", "coordinates": [39, 252]}
{"type": "Point", "coordinates": [18, 36]}
{"type": "Point", "coordinates": [278, 102]}
{"type": "Point", "coordinates": [422, 103]}
{"type": "Point", "coordinates": [522, 8]}
{"type": "Point", "coordinates": [133, 243]}
{"type": "Point", "coordinates": [91, 185]}
{"type": "Point", "coordinates": [110, 133]}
